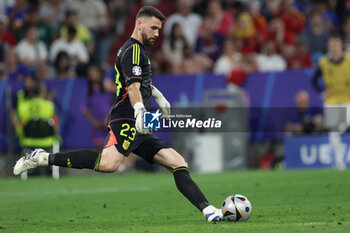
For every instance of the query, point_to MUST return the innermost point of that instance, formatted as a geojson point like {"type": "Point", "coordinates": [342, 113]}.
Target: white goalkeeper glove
{"type": "Point", "coordinates": [163, 104]}
{"type": "Point", "coordinates": [139, 109]}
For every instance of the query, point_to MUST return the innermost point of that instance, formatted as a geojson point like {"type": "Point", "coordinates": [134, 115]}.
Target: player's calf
{"type": "Point", "coordinates": [76, 159]}
{"type": "Point", "coordinates": [170, 159]}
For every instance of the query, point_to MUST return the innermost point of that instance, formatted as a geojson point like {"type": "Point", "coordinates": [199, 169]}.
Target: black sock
{"type": "Point", "coordinates": [76, 159]}
{"type": "Point", "coordinates": [189, 188]}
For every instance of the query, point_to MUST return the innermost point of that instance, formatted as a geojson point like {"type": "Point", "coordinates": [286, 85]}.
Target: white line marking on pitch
{"type": "Point", "coordinates": [312, 223]}
{"type": "Point", "coordinates": [75, 191]}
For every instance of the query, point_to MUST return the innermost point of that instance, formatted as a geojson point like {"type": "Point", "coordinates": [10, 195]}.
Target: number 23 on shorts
{"type": "Point", "coordinates": [129, 133]}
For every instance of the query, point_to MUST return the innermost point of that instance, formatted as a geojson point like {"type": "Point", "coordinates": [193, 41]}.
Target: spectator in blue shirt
{"type": "Point", "coordinates": [15, 70]}
{"type": "Point", "coordinates": [304, 119]}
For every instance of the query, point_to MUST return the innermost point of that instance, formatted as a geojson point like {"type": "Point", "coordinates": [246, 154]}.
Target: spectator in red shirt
{"type": "Point", "coordinates": [294, 20]}
{"type": "Point", "coordinates": [279, 34]}
{"type": "Point", "coordinates": [302, 57]}
{"type": "Point", "coordinates": [223, 21]}
{"type": "Point", "coordinates": [5, 35]}
{"type": "Point", "coordinates": [260, 22]}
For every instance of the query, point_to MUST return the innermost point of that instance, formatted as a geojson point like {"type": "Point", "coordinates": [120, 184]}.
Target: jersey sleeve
{"type": "Point", "coordinates": [130, 64]}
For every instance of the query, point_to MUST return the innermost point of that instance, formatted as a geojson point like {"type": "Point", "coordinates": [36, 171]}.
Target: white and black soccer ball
{"type": "Point", "coordinates": [236, 208]}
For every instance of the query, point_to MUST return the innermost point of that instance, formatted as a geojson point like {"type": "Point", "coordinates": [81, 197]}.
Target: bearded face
{"type": "Point", "coordinates": [148, 40]}
{"type": "Point", "coordinates": [150, 30]}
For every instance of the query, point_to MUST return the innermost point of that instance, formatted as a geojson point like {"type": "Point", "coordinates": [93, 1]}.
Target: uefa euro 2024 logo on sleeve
{"type": "Point", "coordinates": [151, 120]}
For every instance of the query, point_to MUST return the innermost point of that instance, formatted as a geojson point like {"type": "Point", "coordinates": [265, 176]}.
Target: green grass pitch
{"type": "Point", "coordinates": [283, 201]}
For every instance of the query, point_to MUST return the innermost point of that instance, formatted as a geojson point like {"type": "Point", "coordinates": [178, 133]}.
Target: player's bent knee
{"type": "Point", "coordinates": [181, 162]}
{"type": "Point", "coordinates": [184, 164]}
{"type": "Point", "coordinates": [108, 167]}
{"type": "Point", "coordinates": [110, 160]}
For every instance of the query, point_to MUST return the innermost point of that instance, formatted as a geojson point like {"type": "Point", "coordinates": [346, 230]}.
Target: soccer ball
{"type": "Point", "coordinates": [236, 208]}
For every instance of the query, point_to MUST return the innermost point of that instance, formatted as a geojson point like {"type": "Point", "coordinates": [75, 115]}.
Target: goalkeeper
{"type": "Point", "coordinates": [125, 121]}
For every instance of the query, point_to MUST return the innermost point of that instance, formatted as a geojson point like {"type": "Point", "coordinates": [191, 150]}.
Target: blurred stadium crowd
{"type": "Point", "coordinates": [61, 38]}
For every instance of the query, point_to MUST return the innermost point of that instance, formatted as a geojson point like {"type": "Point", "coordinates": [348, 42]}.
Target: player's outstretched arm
{"type": "Point", "coordinates": [163, 104]}
{"type": "Point", "coordinates": [136, 101]}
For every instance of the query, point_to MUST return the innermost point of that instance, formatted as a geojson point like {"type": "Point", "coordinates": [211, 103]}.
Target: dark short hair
{"type": "Point", "coordinates": [336, 35]}
{"type": "Point", "coordinates": [70, 12]}
{"type": "Point", "coordinates": [31, 26]}
{"type": "Point", "coordinates": [150, 11]}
